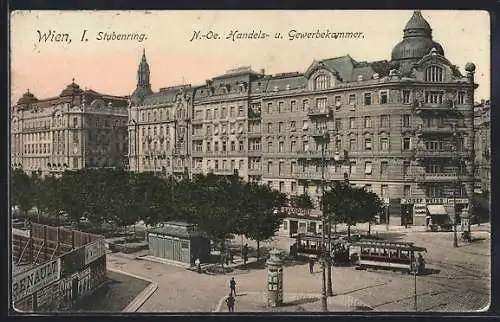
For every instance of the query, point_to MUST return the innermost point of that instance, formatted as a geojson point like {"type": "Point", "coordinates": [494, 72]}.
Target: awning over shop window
{"type": "Point", "coordinates": [436, 210]}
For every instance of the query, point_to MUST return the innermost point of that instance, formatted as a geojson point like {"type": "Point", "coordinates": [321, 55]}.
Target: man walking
{"type": "Point", "coordinates": [232, 287]}
{"type": "Point", "coordinates": [230, 303]}
{"type": "Point", "coordinates": [311, 265]}
{"type": "Point", "coordinates": [245, 254]}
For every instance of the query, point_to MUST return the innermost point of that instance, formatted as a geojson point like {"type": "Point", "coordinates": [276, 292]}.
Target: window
{"type": "Point", "coordinates": [269, 146]}
{"type": "Point", "coordinates": [352, 167]}
{"type": "Point", "coordinates": [270, 184]}
{"type": "Point", "coordinates": [383, 97]}
{"type": "Point", "coordinates": [223, 113]}
{"type": "Point", "coordinates": [241, 164]}
{"type": "Point", "coordinates": [75, 121]}
{"type": "Point", "coordinates": [406, 168]}
{"type": "Point", "coordinates": [352, 99]}
{"type": "Point", "coordinates": [305, 146]}
{"type": "Point", "coordinates": [293, 106]}
{"type": "Point", "coordinates": [293, 146]}
{"type": "Point", "coordinates": [461, 98]}
{"type": "Point", "coordinates": [434, 74]}
{"type": "Point", "coordinates": [352, 122]}
{"type": "Point", "coordinates": [208, 147]}
{"type": "Point", "coordinates": [321, 103]}
{"type": "Point", "coordinates": [352, 144]}
{"type": "Point", "coordinates": [434, 97]}
{"type": "Point", "coordinates": [292, 126]}
{"type": "Point", "coordinates": [368, 98]}
{"type": "Point", "coordinates": [294, 189]}
{"type": "Point", "coordinates": [384, 144]}
{"type": "Point", "coordinates": [384, 191]}
{"type": "Point", "coordinates": [406, 120]}
{"type": "Point", "coordinates": [338, 101]}
{"type": "Point", "coordinates": [368, 167]}
{"type": "Point", "coordinates": [321, 82]}
{"type": "Point", "coordinates": [305, 105]}
{"type": "Point", "coordinates": [406, 97]}
{"type": "Point", "coordinates": [293, 166]}
{"type": "Point", "coordinates": [280, 167]}
{"type": "Point", "coordinates": [269, 108]}
{"type": "Point", "coordinates": [368, 144]}
{"type": "Point", "coordinates": [406, 144]}
{"type": "Point", "coordinates": [269, 166]}
{"type": "Point", "coordinates": [338, 124]}
{"type": "Point", "coordinates": [338, 144]}
{"type": "Point", "coordinates": [240, 146]}
{"type": "Point", "coordinates": [282, 186]}
{"type": "Point", "coordinates": [232, 111]}
{"type": "Point", "coordinates": [384, 168]}
{"type": "Point", "coordinates": [280, 127]}
{"type": "Point", "coordinates": [216, 113]}
{"type": "Point", "coordinates": [281, 147]}
{"type": "Point", "coordinates": [224, 146]}
{"type": "Point", "coordinates": [368, 121]}
{"type": "Point", "coordinates": [269, 127]}
{"type": "Point", "coordinates": [216, 146]}
{"type": "Point", "coordinates": [384, 121]}
{"type": "Point", "coordinates": [233, 146]}
{"type": "Point", "coordinates": [434, 191]}
{"type": "Point", "coordinates": [280, 107]}
{"type": "Point", "coordinates": [305, 125]}
{"type": "Point", "coordinates": [75, 162]}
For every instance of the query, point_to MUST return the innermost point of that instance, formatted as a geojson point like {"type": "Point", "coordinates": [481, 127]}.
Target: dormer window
{"type": "Point", "coordinates": [322, 82]}
{"type": "Point", "coordinates": [434, 74]}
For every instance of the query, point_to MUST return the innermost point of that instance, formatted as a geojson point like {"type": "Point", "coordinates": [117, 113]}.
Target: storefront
{"type": "Point", "coordinates": [436, 210]}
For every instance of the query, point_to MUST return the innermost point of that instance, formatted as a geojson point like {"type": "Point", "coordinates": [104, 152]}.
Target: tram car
{"type": "Point", "coordinates": [395, 256]}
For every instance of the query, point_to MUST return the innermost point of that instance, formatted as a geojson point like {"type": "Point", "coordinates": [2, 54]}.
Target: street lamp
{"type": "Point", "coordinates": [415, 271]}
{"type": "Point", "coordinates": [326, 225]}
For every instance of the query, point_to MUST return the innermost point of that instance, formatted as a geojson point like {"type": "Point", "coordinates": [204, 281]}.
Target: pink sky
{"type": "Point", "coordinates": [110, 67]}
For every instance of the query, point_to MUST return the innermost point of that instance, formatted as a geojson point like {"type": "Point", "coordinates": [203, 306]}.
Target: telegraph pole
{"type": "Point", "coordinates": [455, 146]}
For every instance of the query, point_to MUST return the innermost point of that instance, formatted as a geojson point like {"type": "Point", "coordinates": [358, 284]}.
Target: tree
{"type": "Point", "coordinates": [262, 217]}
{"type": "Point", "coordinates": [23, 190]}
{"type": "Point", "coordinates": [302, 202]}
{"type": "Point", "coordinates": [370, 205]}
{"type": "Point", "coordinates": [75, 188]}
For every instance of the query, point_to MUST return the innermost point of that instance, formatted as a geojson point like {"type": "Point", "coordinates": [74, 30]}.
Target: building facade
{"type": "Point", "coordinates": [159, 127]}
{"type": "Point", "coordinates": [403, 128]}
{"type": "Point", "coordinates": [75, 130]}
{"type": "Point", "coordinates": [482, 121]}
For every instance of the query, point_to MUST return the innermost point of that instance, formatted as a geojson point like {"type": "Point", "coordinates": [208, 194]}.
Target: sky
{"type": "Point", "coordinates": [110, 67]}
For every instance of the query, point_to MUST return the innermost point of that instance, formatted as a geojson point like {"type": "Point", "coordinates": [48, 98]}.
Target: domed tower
{"type": "Point", "coordinates": [417, 42]}
{"type": "Point", "coordinates": [26, 100]}
{"type": "Point", "coordinates": [143, 88]}
{"type": "Point", "coordinates": [72, 90]}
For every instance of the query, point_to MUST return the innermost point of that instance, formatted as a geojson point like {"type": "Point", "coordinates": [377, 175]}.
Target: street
{"type": "Point", "coordinates": [460, 280]}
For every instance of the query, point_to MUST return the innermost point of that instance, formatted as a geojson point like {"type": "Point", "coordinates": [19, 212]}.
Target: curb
{"type": "Point", "coordinates": [140, 299]}
{"type": "Point", "coordinates": [348, 301]}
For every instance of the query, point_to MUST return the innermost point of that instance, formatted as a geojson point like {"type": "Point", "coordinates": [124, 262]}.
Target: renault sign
{"type": "Point", "coordinates": [28, 282]}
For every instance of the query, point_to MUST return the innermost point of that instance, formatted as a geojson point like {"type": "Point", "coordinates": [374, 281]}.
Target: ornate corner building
{"type": "Point", "coordinates": [482, 125]}
{"type": "Point", "coordinates": [402, 128]}
{"type": "Point", "coordinates": [75, 130]}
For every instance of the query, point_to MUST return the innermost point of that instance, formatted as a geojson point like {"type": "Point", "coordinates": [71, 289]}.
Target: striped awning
{"type": "Point", "coordinates": [436, 210]}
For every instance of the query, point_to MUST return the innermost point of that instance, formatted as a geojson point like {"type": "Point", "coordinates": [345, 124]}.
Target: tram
{"type": "Point", "coordinates": [309, 245]}
{"type": "Point", "coordinates": [395, 256]}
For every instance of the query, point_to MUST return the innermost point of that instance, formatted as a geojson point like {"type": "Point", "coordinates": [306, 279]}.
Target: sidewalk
{"type": "Point", "coordinates": [293, 302]}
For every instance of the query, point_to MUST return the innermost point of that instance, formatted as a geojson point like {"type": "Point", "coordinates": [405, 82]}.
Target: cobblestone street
{"type": "Point", "coordinates": [462, 284]}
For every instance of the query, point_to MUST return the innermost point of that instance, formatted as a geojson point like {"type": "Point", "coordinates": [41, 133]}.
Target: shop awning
{"type": "Point", "coordinates": [436, 210]}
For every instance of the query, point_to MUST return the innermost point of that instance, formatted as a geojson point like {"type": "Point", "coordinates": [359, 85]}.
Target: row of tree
{"type": "Point", "coordinates": [219, 205]}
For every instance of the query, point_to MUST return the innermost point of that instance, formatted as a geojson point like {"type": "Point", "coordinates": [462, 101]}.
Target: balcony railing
{"type": "Point", "coordinates": [436, 177]}
{"type": "Point", "coordinates": [336, 155]}
{"type": "Point", "coordinates": [178, 169]}
{"type": "Point", "coordinates": [254, 172]}
{"type": "Point", "coordinates": [318, 132]}
{"type": "Point", "coordinates": [221, 171]}
{"type": "Point", "coordinates": [421, 105]}
{"type": "Point", "coordinates": [316, 175]}
{"type": "Point", "coordinates": [319, 111]}
{"type": "Point", "coordinates": [443, 153]}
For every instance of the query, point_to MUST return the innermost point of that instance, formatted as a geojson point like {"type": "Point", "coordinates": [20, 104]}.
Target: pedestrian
{"type": "Point", "coordinates": [226, 257]}
{"type": "Point", "coordinates": [231, 257]}
{"type": "Point", "coordinates": [311, 265]}
{"type": "Point", "coordinates": [232, 287]}
{"type": "Point", "coordinates": [198, 265]}
{"type": "Point", "coordinates": [230, 303]}
{"type": "Point", "coordinates": [245, 254]}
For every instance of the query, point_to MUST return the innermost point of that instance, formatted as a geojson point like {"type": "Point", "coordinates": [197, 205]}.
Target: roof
{"type": "Point", "coordinates": [179, 229]}
{"type": "Point", "coordinates": [349, 70]}
{"type": "Point", "coordinates": [288, 81]}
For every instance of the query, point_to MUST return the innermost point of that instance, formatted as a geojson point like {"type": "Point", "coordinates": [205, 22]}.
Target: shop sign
{"type": "Point", "coordinates": [28, 282]}
{"type": "Point", "coordinates": [94, 251]}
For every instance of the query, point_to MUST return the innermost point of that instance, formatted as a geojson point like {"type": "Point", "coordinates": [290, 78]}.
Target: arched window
{"type": "Point", "coordinates": [434, 74]}
{"type": "Point", "coordinates": [321, 82]}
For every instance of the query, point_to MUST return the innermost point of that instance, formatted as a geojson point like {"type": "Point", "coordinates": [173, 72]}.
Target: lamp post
{"type": "Point", "coordinates": [324, 252]}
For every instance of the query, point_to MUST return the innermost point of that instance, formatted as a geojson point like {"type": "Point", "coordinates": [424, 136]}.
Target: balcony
{"type": "Point", "coordinates": [254, 153]}
{"type": "Point", "coordinates": [444, 105]}
{"type": "Point", "coordinates": [336, 155]}
{"type": "Point", "coordinates": [438, 130]}
{"type": "Point", "coordinates": [178, 169]}
{"type": "Point", "coordinates": [220, 171]}
{"type": "Point", "coordinates": [254, 172]}
{"type": "Point", "coordinates": [319, 112]}
{"type": "Point", "coordinates": [436, 177]}
{"type": "Point", "coordinates": [254, 135]}
{"type": "Point", "coordinates": [316, 175]}
{"type": "Point", "coordinates": [443, 153]}
{"type": "Point", "coordinates": [197, 154]}
{"type": "Point", "coordinates": [318, 132]}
